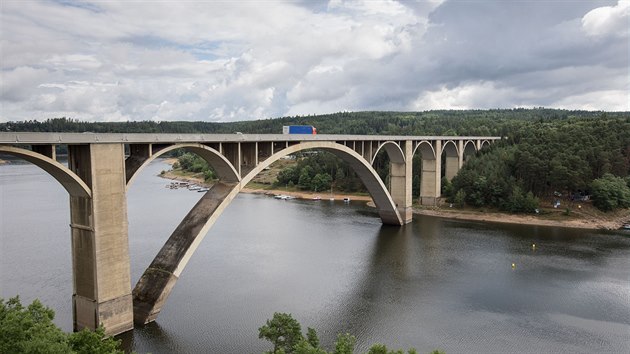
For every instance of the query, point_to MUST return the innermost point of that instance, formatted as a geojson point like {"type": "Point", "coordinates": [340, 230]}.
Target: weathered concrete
{"type": "Point", "coordinates": [100, 251]}
{"type": "Point", "coordinates": [400, 171]}
{"type": "Point", "coordinates": [158, 280]}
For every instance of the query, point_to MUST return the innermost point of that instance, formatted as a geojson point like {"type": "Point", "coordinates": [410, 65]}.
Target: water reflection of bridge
{"type": "Point", "coordinates": [101, 167]}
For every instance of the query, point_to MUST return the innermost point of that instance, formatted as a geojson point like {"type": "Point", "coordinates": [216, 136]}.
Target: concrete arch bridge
{"type": "Point", "coordinates": [101, 167]}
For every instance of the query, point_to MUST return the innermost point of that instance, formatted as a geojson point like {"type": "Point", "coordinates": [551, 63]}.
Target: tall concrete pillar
{"type": "Point", "coordinates": [431, 184]}
{"type": "Point", "coordinates": [452, 160]}
{"type": "Point", "coordinates": [401, 178]}
{"type": "Point", "coordinates": [452, 167]}
{"type": "Point", "coordinates": [100, 249]}
{"type": "Point", "coordinates": [460, 153]}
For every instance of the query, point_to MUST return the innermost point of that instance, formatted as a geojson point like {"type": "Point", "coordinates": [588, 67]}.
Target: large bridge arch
{"type": "Point", "coordinates": [155, 285]}
{"type": "Point", "coordinates": [225, 170]}
{"type": "Point", "coordinates": [383, 200]}
{"type": "Point", "coordinates": [75, 186]}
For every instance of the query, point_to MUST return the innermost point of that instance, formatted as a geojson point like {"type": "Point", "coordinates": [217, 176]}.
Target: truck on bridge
{"type": "Point", "coordinates": [299, 129]}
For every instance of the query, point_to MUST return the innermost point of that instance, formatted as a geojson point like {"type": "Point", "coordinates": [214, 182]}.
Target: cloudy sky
{"type": "Point", "coordinates": [253, 59]}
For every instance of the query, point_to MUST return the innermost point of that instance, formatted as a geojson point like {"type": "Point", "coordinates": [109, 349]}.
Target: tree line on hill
{"type": "Point", "coordinates": [544, 153]}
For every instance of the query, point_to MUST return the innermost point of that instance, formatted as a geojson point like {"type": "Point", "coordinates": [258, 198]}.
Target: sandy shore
{"type": "Point", "coordinates": [581, 222]}
{"type": "Point", "coordinates": [554, 218]}
{"type": "Point", "coordinates": [307, 195]}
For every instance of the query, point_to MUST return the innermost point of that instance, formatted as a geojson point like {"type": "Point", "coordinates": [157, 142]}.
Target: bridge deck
{"type": "Point", "coordinates": [91, 138]}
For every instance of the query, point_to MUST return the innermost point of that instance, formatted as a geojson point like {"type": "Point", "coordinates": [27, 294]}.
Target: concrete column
{"type": "Point", "coordinates": [400, 179]}
{"type": "Point", "coordinates": [460, 154]}
{"type": "Point", "coordinates": [452, 160]}
{"type": "Point", "coordinates": [100, 249]}
{"type": "Point", "coordinates": [232, 152]}
{"type": "Point", "coordinates": [138, 154]}
{"type": "Point", "coordinates": [430, 184]}
{"type": "Point", "coordinates": [452, 166]}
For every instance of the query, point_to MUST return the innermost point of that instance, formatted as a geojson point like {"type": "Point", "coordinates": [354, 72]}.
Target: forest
{"type": "Point", "coordinates": [545, 153]}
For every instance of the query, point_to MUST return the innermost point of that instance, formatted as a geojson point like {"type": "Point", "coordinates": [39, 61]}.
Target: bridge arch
{"type": "Point", "coordinates": [426, 149]}
{"type": "Point", "coordinates": [451, 154]}
{"type": "Point", "coordinates": [431, 163]}
{"type": "Point", "coordinates": [75, 186]}
{"type": "Point", "coordinates": [394, 152]}
{"type": "Point", "coordinates": [225, 170]}
{"type": "Point", "coordinates": [469, 150]}
{"type": "Point", "coordinates": [369, 177]}
{"type": "Point", "coordinates": [155, 285]}
{"type": "Point", "coordinates": [449, 148]}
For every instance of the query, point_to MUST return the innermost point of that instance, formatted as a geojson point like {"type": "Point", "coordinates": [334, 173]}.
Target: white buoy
{"type": "Point", "coordinates": [533, 246]}
{"type": "Point", "coordinates": [513, 265]}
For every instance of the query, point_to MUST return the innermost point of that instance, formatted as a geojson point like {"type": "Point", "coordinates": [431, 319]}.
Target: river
{"type": "Point", "coordinates": [434, 283]}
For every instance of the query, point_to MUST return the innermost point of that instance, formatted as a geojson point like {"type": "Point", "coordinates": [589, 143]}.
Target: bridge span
{"type": "Point", "coordinates": [101, 167]}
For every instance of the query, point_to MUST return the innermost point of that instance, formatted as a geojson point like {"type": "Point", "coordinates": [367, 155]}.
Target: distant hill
{"type": "Point", "coordinates": [447, 122]}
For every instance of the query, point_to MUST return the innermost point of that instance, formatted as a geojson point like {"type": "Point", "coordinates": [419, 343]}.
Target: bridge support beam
{"type": "Point", "coordinates": [158, 280]}
{"type": "Point", "coordinates": [100, 249]}
{"type": "Point", "coordinates": [400, 177]}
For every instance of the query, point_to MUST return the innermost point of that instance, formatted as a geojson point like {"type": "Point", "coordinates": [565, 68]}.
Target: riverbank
{"type": "Point", "coordinates": [586, 217]}
{"type": "Point", "coordinates": [610, 221]}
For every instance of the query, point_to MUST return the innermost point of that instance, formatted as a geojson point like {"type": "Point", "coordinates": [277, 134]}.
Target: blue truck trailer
{"type": "Point", "coordinates": [299, 129]}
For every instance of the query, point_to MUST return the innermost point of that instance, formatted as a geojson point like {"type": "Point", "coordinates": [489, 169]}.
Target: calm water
{"type": "Point", "coordinates": [432, 284]}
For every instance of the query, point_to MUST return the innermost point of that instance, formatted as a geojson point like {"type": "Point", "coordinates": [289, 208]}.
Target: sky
{"type": "Point", "coordinates": [227, 60]}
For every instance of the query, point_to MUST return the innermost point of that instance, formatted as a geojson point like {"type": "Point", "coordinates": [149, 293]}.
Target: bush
{"type": "Point", "coordinates": [31, 330]}
{"type": "Point", "coordinates": [610, 192]}
{"type": "Point", "coordinates": [285, 333]}
{"type": "Point", "coordinates": [519, 203]}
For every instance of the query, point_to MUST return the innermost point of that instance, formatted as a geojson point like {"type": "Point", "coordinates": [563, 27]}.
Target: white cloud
{"type": "Point", "coordinates": [608, 20]}
{"type": "Point", "coordinates": [224, 61]}
{"type": "Point", "coordinates": [18, 84]}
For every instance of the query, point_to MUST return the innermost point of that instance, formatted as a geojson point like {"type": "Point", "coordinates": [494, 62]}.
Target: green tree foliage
{"type": "Point", "coordinates": [194, 163]}
{"type": "Point", "coordinates": [486, 180]}
{"type": "Point", "coordinates": [284, 332]}
{"type": "Point", "coordinates": [31, 330]}
{"type": "Point", "coordinates": [610, 192]}
{"type": "Point", "coordinates": [318, 171]}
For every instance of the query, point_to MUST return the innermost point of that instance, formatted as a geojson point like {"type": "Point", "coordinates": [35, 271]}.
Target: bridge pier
{"type": "Point", "coordinates": [400, 178]}
{"type": "Point", "coordinates": [452, 159]}
{"type": "Point", "coordinates": [100, 249]}
{"type": "Point", "coordinates": [431, 179]}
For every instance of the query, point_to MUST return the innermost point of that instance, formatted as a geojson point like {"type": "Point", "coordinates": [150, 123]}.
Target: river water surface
{"type": "Point", "coordinates": [434, 283]}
